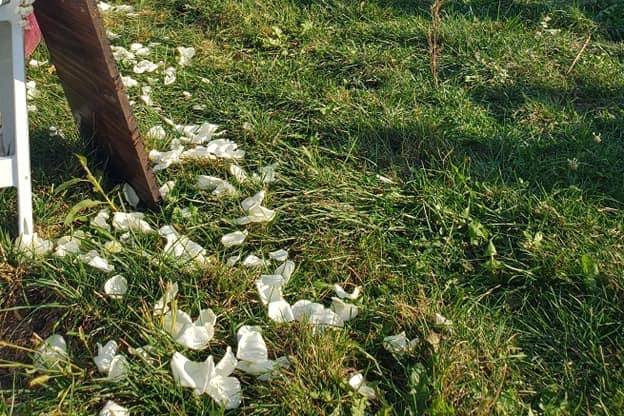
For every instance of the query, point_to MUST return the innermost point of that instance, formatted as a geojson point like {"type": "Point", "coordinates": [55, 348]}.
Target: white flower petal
{"type": "Point", "coordinates": [101, 220]}
{"type": "Point", "coordinates": [253, 201]}
{"type": "Point", "coordinates": [399, 343]}
{"type": "Point", "coordinates": [439, 319]}
{"type": "Point", "coordinates": [260, 214]}
{"type": "Point", "coordinates": [186, 54]}
{"type": "Point", "coordinates": [139, 49]}
{"type": "Point", "coordinates": [239, 173]}
{"type": "Point", "coordinates": [113, 409]}
{"type": "Point", "coordinates": [235, 238]}
{"type": "Point", "coordinates": [267, 173]}
{"type": "Point", "coordinates": [342, 294]}
{"type": "Point", "coordinates": [144, 66]}
{"type": "Point", "coordinates": [170, 75]}
{"type": "Point", "coordinates": [93, 259]}
{"type": "Point", "coordinates": [131, 221]}
{"type": "Point", "coordinates": [156, 133]}
{"type": "Point", "coordinates": [279, 255]}
{"type": "Point", "coordinates": [105, 356]}
{"type": "Point", "coordinates": [345, 311]}
{"type": "Point", "coordinates": [118, 368]}
{"type": "Point", "coordinates": [67, 245]}
{"type": "Point", "coordinates": [116, 287]}
{"type": "Point", "coordinates": [113, 247]}
{"type": "Point", "coordinates": [166, 188]}
{"type": "Point", "coordinates": [251, 345]}
{"type": "Point", "coordinates": [270, 288]}
{"type": "Point", "coordinates": [253, 261]}
{"type": "Point", "coordinates": [281, 311]}
{"type": "Point", "coordinates": [305, 309]}
{"type": "Point", "coordinates": [32, 245]}
{"type": "Point", "coordinates": [131, 196]}
{"type": "Point", "coordinates": [51, 352]}
{"type": "Point", "coordinates": [129, 82]}
{"type": "Point", "coordinates": [286, 269]}
{"type": "Point", "coordinates": [358, 384]}
{"type": "Point", "coordinates": [226, 391]}
{"type": "Point", "coordinates": [227, 365]}
{"type": "Point", "coordinates": [385, 179]}
{"type": "Point", "coordinates": [232, 260]}
{"type": "Point", "coordinates": [183, 248]}
{"type": "Point", "coordinates": [195, 375]}
{"type": "Point", "coordinates": [194, 335]}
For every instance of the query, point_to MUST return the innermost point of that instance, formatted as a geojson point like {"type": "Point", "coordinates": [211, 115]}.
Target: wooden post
{"type": "Point", "coordinates": [75, 36]}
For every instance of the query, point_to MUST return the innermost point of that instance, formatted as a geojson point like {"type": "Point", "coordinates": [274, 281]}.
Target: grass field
{"type": "Point", "coordinates": [506, 213]}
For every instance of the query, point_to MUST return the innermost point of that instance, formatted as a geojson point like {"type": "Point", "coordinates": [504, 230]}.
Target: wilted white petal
{"type": "Point", "coordinates": [186, 54]}
{"type": "Point", "coordinates": [253, 201]}
{"type": "Point", "coordinates": [101, 219]}
{"type": "Point", "coordinates": [253, 261]}
{"type": "Point", "coordinates": [180, 246]}
{"type": "Point", "coordinates": [441, 320]}
{"type": "Point", "coordinates": [166, 188]}
{"type": "Point", "coordinates": [170, 75]}
{"type": "Point", "coordinates": [251, 345]}
{"type": "Point", "coordinates": [270, 288]}
{"type": "Point", "coordinates": [286, 270]}
{"type": "Point", "coordinates": [344, 310]}
{"type": "Point", "coordinates": [105, 356]}
{"type": "Point", "coordinates": [279, 255]}
{"type": "Point", "coordinates": [145, 96]}
{"type": "Point", "coordinates": [226, 366]}
{"type": "Point", "coordinates": [131, 196]}
{"type": "Point", "coordinates": [32, 245]}
{"type": "Point", "coordinates": [116, 287]}
{"type": "Point", "coordinates": [304, 309]}
{"type": "Point", "coordinates": [232, 260]}
{"type": "Point", "coordinates": [118, 368]}
{"type": "Point", "coordinates": [385, 179]}
{"type": "Point", "coordinates": [226, 391]}
{"type": "Point", "coordinates": [342, 294]}
{"type": "Point", "coordinates": [113, 409]}
{"type": "Point", "coordinates": [93, 259]}
{"type": "Point", "coordinates": [239, 173]}
{"type": "Point", "coordinates": [156, 133]}
{"type": "Point", "coordinates": [267, 173]}
{"type": "Point", "coordinates": [139, 49]}
{"type": "Point", "coordinates": [358, 384]}
{"type": "Point", "coordinates": [67, 245]}
{"type": "Point", "coordinates": [399, 343]}
{"type": "Point", "coordinates": [195, 375]}
{"type": "Point", "coordinates": [162, 305]}
{"type": "Point", "coordinates": [144, 66]}
{"type": "Point", "coordinates": [235, 238]}
{"type": "Point", "coordinates": [260, 214]}
{"type": "Point", "coordinates": [194, 335]}
{"type": "Point", "coordinates": [51, 352]}
{"type": "Point", "coordinates": [280, 311]}
{"type": "Point", "coordinates": [122, 54]}
{"type": "Point", "coordinates": [129, 82]}
{"type": "Point", "coordinates": [131, 221]}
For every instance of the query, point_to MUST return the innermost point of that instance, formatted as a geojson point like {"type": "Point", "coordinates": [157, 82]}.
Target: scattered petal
{"type": "Point", "coordinates": [235, 238]}
{"type": "Point", "coordinates": [129, 82]}
{"type": "Point", "coordinates": [105, 356]}
{"type": "Point", "coordinates": [131, 196]}
{"type": "Point", "coordinates": [139, 49]}
{"type": "Point", "coordinates": [253, 261]}
{"type": "Point", "coordinates": [131, 221]}
{"type": "Point", "coordinates": [113, 247]}
{"type": "Point", "coordinates": [93, 259]}
{"type": "Point", "coordinates": [113, 409]}
{"type": "Point", "coordinates": [232, 260]}
{"type": "Point", "coordinates": [385, 179]}
{"type": "Point", "coordinates": [281, 311]}
{"type": "Point", "coordinates": [182, 247]}
{"type": "Point", "coordinates": [267, 173]}
{"type": "Point", "coordinates": [195, 335]}
{"type": "Point", "coordinates": [399, 343]}
{"type": "Point", "coordinates": [170, 75]}
{"type": "Point", "coordinates": [166, 188]}
{"type": "Point", "coordinates": [279, 255]}
{"type": "Point", "coordinates": [218, 186]}
{"type": "Point", "coordinates": [145, 66]}
{"type": "Point", "coordinates": [253, 201]}
{"type": "Point", "coordinates": [342, 294]}
{"type": "Point", "coordinates": [156, 133]}
{"type": "Point", "coordinates": [239, 173]}
{"type": "Point", "coordinates": [186, 54]}
{"type": "Point", "coordinates": [101, 219]}
{"type": "Point", "coordinates": [51, 352]}
{"type": "Point", "coordinates": [251, 345]}
{"type": "Point", "coordinates": [345, 311]}
{"type": "Point", "coordinates": [286, 270]}
{"type": "Point", "coordinates": [441, 320]}
{"type": "Point", "coordinates": [32, 245]}
{"type": "Point", "coordinates": [270, 288]}
{"type": "Point", "coordinates": [358, 384]}
{"type": "Point", "coordinates": [116, 286]}
{"type": "Point", "coordinates": [68, 245]}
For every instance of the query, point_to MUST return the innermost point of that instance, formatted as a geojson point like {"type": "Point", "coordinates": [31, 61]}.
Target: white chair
{"type": "Point", "coordinates": [14, 150]}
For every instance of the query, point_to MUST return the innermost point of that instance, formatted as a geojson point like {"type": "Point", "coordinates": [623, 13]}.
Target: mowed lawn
{"type": "Point", "coordinates": [505, 214]}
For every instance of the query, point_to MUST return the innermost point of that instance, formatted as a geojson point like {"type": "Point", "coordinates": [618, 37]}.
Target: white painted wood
{"type": "Point", "coordinates": [14, 146]}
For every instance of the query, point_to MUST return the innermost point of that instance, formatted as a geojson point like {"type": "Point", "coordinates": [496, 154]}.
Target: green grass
{"type": "Point", "coordinates": [503, 151]}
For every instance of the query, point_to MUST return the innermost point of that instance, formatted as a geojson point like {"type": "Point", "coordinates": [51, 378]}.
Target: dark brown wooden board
{"type": "Point", "coordinates": [80, 51]}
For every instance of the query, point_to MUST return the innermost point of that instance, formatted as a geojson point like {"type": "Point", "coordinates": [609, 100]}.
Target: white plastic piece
{"type": "Point", "coordinates": [14, 150]}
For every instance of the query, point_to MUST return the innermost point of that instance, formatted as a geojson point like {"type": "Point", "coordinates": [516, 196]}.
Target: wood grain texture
{"type": "Point", "coordinates": [75, 36]}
